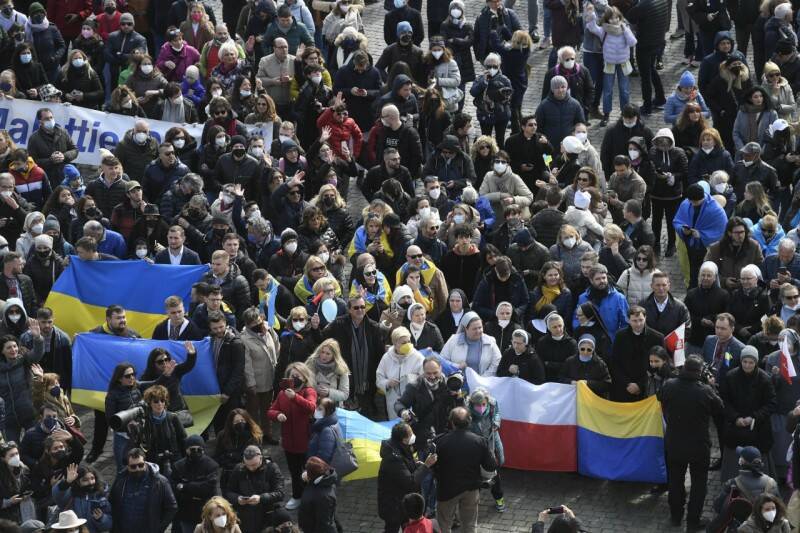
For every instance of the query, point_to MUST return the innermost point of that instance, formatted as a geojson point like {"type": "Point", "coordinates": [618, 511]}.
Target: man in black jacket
{"type": "Point", "coordinates": [453, 167]}
{"type": "Point", "coordinates": [51, 147]}
{"type": "Point", "coordinates": [526, 150]}
{"type": "Point", "coordinates": [177, 327]}
{"type": "Point", "coordinates": [363, 343]}
{"type": "Point", "coordinates": [688, 406]}
{"type": "Point", "coordinates": [141, 487]}
{"type": "Point", "coordinates": [16, 284]}
{"type": "Point", "coordinates": [235, 289]}
{"type": "Point", "coordinates": [389, 168]}
{"type": "Point", "coordinates": [547, 223]}
{"type": "Point", "coordinates": [461, 456]}
{"type": "Point", "coordinates": [228, 350]}
{"type": "Point", "coordinates": [629, 356]}
{"type": "Point", "coordinates": [615, 139]}
{"type": "Point", "coordinates": [255, 488]}
{"type": "Point", "coordinates": [194, 481]}
{"type": "Point", "coordinates": [636, 228]}
{"type": "Point", "coordinates": [651, 19]}
{"type": "Point", "coordinates": [238, 166]}
{"type": "Point", "coordinates": [664, 311]}
{"type": "Point", "coordinates": [13, 208]}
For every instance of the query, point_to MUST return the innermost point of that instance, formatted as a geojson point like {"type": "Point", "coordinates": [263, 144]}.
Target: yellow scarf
{"type": "Point", "coordinates": [549, 295]}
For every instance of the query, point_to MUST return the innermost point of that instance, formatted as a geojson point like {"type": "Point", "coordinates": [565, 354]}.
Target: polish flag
{"type": "Point", "coordinates": [674, 342]}
{"type": "Point", "coordinates": [787, 366]}
{"type": "Point", "coordinates": [539, 427]}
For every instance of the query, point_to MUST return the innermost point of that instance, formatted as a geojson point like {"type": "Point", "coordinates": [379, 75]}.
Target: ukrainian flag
{"type": "Point", "coordinates": [83, 291]}
{"type": "Point", "coordinates": [620, 441]}
{"type": "Point", "coordinates": [95, 355]}
{"type": "Point", "coordinates": [365, 436]}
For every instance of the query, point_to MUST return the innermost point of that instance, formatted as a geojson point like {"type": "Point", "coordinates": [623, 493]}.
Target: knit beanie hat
{"type": "Point", "coordinates": [781, 10]}
{"type": "Point", "coordinates": [36, 7]}
{"type": "Point", "coordinates": [404, 27]}
{"type": "Point", "coordinates": [749, 351]}
{"type": "Point", "coordinates": [43, 240]}
{"type": "Point", "coordinates": [582, 199]}
{"type": "Point", "coordinates": [687, 80]}
{"type": "Point", "coordinates": [572, 145]}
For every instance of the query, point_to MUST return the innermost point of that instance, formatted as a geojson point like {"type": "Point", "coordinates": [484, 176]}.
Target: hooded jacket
{"type": "Point", "coordinates": [709, 67]}
{"type": "Point", "coordinates": [672, 161]}
{"type": "Point", "coordinates": [724, 93]}
{"type": "Point", "coordinates": [399, 474]}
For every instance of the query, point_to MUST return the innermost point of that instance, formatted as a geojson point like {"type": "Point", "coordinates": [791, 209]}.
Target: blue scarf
{"type": "Point", "coordinates": [710, 222]}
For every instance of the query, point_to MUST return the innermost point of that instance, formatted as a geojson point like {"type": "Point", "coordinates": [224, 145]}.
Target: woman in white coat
{"type": "Point", "coordinates": [635, 281]}
{"type": "Point", "coordinates": [331, 374]}
{"type": "Point", "coordinates": [470, 347]}
{"type": "Point", "coordinates": [401, 365]}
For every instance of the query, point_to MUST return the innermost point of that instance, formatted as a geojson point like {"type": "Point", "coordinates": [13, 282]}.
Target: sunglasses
{"type": "Point", "coordinates": [158, 400]}
{"type": "Point", "coordinates": [358, 307]}
{"type": "Point", "coordinates": [793, 297]}
{"type": "Point", "coordinates": [318, 269]}
{"type": "Point", "coordinates": [371, 273]}
{"type": "Point", "coordinates": [417, 256]}
{"type": "Point", "coordinates": [162, 360]}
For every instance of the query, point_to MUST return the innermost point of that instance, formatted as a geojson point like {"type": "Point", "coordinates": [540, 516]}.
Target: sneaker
{"type": "Point", "coordinates": [678, 34]}
{"type": "Point", "coordinates": [293, 504]}
{"type": "Point", "coordinates": [534, 36]}
{"type": "Point", "coordinates": [659, 65]}
{"type": "Point", "coordinates": [645, 110]}
{"type": "Point", "coordinates": [604, 122]}
{"type": "Point", "coordinates": [544, 44]}
{"type": "Point", "coordinates": [500, 505]}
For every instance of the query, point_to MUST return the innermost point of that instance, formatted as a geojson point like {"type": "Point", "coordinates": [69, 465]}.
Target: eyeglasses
{"type": "Point", "coordinates": [162, 360]}
{"type": "Point", "coordinates": [137, 466]}
{"type": "Point", "coordinates": [417, 256]}
{"type": "Point", "coordinates": [358, 307]}
{"type": "Point", "coordinates": [158, 400]}
{"type": "Point", "coordinates": [371, 273]}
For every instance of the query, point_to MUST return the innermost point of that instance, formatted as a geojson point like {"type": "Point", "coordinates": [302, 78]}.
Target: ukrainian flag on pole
{"type": "Point", "coordinates": [83, 291]}
{"type": "Point", "coordinates": [95, 355]}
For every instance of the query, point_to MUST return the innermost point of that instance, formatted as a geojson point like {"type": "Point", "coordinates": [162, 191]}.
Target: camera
{"type": "Point", "coordinates": [120, 420]}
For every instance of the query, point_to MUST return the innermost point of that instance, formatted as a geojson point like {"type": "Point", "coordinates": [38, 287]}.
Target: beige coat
{"type": "Point", "coordinates": [261, 357]}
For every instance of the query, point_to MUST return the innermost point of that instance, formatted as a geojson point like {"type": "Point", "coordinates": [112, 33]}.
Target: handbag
{"type": "Point", "coordinates": [452, 96]}
{"type": "Point", "coordinates": [185, 417]}
{"type": "Point", "coordinates": [344, 460]}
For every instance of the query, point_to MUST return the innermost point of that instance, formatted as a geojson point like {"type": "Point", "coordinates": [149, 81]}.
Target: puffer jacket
{"type": "Point", "coordinates": [677, 101]}
{"type": "Point", "coordinates": [399, 474]}
{"type": "Point", "coordinates": [635, 284]}
{"type": "Point", "coordinates": [487, 425]}
{"type": "Point", "coordinates": [325, 434]}
{"type": "Point", "coordinates": [405, 370]}
{"type": "Point", "coordinates": [134, 157]}
{"type": "Point", "coordinates": [494, 188]}
{"type": "Point", "coordinates": [15, 389]}
{"type": "Point", "coordinates": [458, 38]}
{"type": "Point", "coordinates": [492, 98]}
{"type": "Point", "coordinates": [616, 48]}
{"type": "Point", "coordinates": [557, 118]}
{"type": "Point", "coordinates": [83, 504]}
{"type": "Point", "coordinates": [672, 161]}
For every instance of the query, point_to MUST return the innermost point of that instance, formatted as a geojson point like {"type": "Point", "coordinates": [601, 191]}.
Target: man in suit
{"type": "Point", "coordinates": [177, 327]}
{"type": "Point", "coordinates": [229, 358]}
{"type": "Point", "coordinates": [723, 351]}
{"type": "Point", "coordinates": [176, 253]}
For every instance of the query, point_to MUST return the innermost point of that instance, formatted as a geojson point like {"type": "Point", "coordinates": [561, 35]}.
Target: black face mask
{"type": "Point", "coordinates": [327, 201]}
{"type": "Point", "coordinates": [37, 19]}
{"type": "Point", "coordinates": [195, 454]}
{"type": "Point", "coordinates": [109, 10]}
{"type": "Point", "coordinates": [240, 427]}
{"type": "Point", "coordinates": [298, 383]}
{"type": "Point", "coordinates": [220, 232]}
{"type": "Point", "coordinates": [405, 39]}
{"type": "Point", "coordinates": [59, 455]}
{"type": "Point", "coordinates": [43, 254]}
{"type": "Point", "coordinates": [238, 152]}
{"type": "Point", "coordinates": [94, 212]}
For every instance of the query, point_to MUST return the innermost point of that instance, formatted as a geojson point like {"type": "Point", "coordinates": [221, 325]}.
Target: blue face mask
{"type": "Point", "coordinates": [50, 423]}
{"type": "Point", "coordinates": [585, 358]}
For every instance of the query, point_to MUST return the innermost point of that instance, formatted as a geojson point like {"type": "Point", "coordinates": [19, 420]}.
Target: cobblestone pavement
{"type": "Point", "coordinates": [604, 507]}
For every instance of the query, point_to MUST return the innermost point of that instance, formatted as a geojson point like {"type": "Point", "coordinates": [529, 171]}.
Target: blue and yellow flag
{"type": "Point", "coordinates": [95, 355]}
{"type": "Point", "coordinates": [620, 441]}
{"type": "Point", "coordinates": [365, 436]}
{"type": "Point", "coordinates": [83, 291]}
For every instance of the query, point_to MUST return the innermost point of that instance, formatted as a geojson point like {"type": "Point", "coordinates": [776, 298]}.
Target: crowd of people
{"type": "Point", "coordinates": [533, 256]}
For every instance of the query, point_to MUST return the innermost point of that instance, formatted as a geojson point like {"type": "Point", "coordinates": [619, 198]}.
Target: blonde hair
{"type": "Point", "coordinates": [714, 134]}
{"type": "Point", "coordinates": [769, 222]}
{"type": "Point", "coordinates": [311, 262]}
{"type": "Point", "coordinates": [340, 367]}
{"type": "Point", "coordinates": [297, 311]}
{"type": "Point", "coordinates": [338, 201]}
{"type": "Point", "coordinates": [569, 231]}
{"type": "Point", "coordinates": [303, 370]}
{"type": "Point", "coordinates": [613, 232]}
{"type": "Point", "coordinates": [323, 282]}
{"type": "Point", "coordinates": [521, 39]}
{"type": "Point", "coordinates": [209, 508]}
{"type": "Point", "coordinates": [484, 139]}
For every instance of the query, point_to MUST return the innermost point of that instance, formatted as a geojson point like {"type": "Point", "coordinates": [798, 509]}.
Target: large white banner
{"type": "Point", "coordinates": [90, 129]}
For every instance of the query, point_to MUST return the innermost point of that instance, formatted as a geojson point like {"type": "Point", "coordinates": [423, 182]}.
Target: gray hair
{"type": "Point", "coordinates": [551, 317]}
{"type": "Point", "coordinates": [710, 265]}
{"type": "Point", "coordinates": [261, 225]}
{"type": "Point", "coordinates": [92, 225]}
{"type": "Point", "coordinates": [787, 244]}
{"type": "Point", "coordinates": [564, 50]}
{"type": "Point", "coordinates": [718, 176]}
{"type": "Point", "coordinates": [492, 58]}
{"type": "Point", "coordinates": [558, 81]}
{"type": "Point", "coordinates": [469, 195]}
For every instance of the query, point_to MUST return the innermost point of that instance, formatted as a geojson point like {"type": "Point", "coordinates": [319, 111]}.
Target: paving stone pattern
{"type": "Point", "coordinates": [603, 506]}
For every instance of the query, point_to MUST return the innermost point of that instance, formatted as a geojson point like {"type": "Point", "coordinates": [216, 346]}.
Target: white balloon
{"type": "Point", "coordinates": [329, 309]}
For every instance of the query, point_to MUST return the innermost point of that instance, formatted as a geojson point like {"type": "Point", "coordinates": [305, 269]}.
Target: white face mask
{"type": "Point", "coordinates": [434, 193]}
{"type": "Point", "coordinates": [503, 323]}
{"type": "Point", "coordinates": [140, 137]}
{"type": "Point", "coordinates": [581, 136]}
{"type": "Point", "coordinates": [399, 3]}
{"type": "Point", "coordinates": [708, 150]}
{"type": "Point", "coordinates": [745, 163]}
{"type": "Point", "coordinates": [459, 219]}
{"type": "Point", "coordinates": [220, 141]}
{"type": "Point", "coordinates": [37, 229]}
{"type": "Point", "coordinates": [14, 317]}
{"type": "Point", "coordinates": [325, 256]}
{"type": "Point", "coordinates": [411, 440]}
{"type": "Point", "coordinates": [424, 212]}
{"type": "Point", "coordinates": [628, 123]}
{"type": "Point", "coordinates": [298, 326]}
{"type": "Point", "coordinates": [500, 168]}
{"type": "Point", "coordinates": [221, 521]}
{"type": "Point", "coordinates": [257, 152]}
{"type": "Point", "coordinates": [569, 64]}
{"type": "Point", "coordinates": [179, 143]}
{"type": "Point", "coordinates": [15, 462]}
{"type": "Point", "coordinates": [78, 62]}
{"type": "Point", "coordinates": [569, 242]}
{"type": "Point", "coordinates": [343, 8]}
{"type": "Point", "coordinates": [127, 104]}
{"type": "Point", "coordinates": [284, 138]}
{"type": "Point", "coordinates": [634, 154]}
{"type": "Point", "coordinates": [6, 194]}
{"type": "Point", "coordinates": [291, 247]}
{"type": "Point", "coordinates": [493, 71]}
{"type": "Point", "coordinates": [245, 94]}
{"type": "Point", "coordinates": [141, 253]}
{"type": "Point", "coordinates": [455, 13]}
{"type": "Point", "coordinates": [769, 516]}
{"type": "Point", "coordinates": [720, 187]}
{"type": "Point", "coordinates": [318, 414]}
{"type": "Point", "coordinates": [316, 80]}
{"type": "Point", "coordinates": [147, 69]}
{"type": "Point", "coordinates": [437, 53]}
{"type": "Point", "coordinates": [216, 93]}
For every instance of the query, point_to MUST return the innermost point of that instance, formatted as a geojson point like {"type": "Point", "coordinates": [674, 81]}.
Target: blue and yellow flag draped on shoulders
{"type": "Point", "coordinates": [95, 355]}
{"type": "Point", "coordinates": [620, 441]}
{"type": "Point", "coordinates": [83, 291]}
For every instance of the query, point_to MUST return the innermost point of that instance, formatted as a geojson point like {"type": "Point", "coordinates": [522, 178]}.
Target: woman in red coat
{"type": "Point", "coordinates": [293, 408]}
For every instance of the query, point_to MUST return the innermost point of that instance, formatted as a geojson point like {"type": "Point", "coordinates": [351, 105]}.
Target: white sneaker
{"type": "Point", "coordinates": [545, 43]}
{"type": "Point", "coordinates": [293, 504]}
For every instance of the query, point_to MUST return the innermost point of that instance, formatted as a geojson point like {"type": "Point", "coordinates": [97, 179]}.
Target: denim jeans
{"type": "Point", "coordinates": [608, 89]}
{"type": "Point", "coordinates": [593, 62]}
{"type": "Point", "coordinates": [533, 15]}
{"type": "Point", "coordinates": [547, 17]}
{"type": "Point", "coordinates": [120, 448]}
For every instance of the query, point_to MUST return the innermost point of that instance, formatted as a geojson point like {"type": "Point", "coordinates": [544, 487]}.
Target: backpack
{"type": "Point", "coordinates": [734, 513]}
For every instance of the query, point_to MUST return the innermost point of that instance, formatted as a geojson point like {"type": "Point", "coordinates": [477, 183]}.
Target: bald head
{"type": "Point", "coordinates": [93, 229]}
{"type": "Point", "coordinates": [414, 255]}
{"type": "Point", "coordinates": [459, 418]}
{"type": "Point", "coordinates": [390, 116]}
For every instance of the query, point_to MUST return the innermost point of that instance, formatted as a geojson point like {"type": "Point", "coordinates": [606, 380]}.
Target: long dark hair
{"type": "Point", "coordinates": [151, 370]}
{"type": "Point", "coordinates": [52, 205]}
{"type": "Point", "coordinates": [116, 376]}
{"type": "Point", "coordinates": [7, 479]}
{"type": "Point", "coordinates": [229, 432]}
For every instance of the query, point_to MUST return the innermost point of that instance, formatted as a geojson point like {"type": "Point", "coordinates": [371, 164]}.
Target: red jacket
{"type": "Point", "coordinates": [296, 431]}
{"type": "Point", "coordinates": [57, 11]}
{"type": "Point", "coordinates": [346, 131]}
{"type": "Point", "coordinates": [107, 24]}
{"type": "Point", "coordinates": [423, 525]}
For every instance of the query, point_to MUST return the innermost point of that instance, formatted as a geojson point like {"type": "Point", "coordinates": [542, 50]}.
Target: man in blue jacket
{"type": "Point", "coordinates": [611, 303]}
